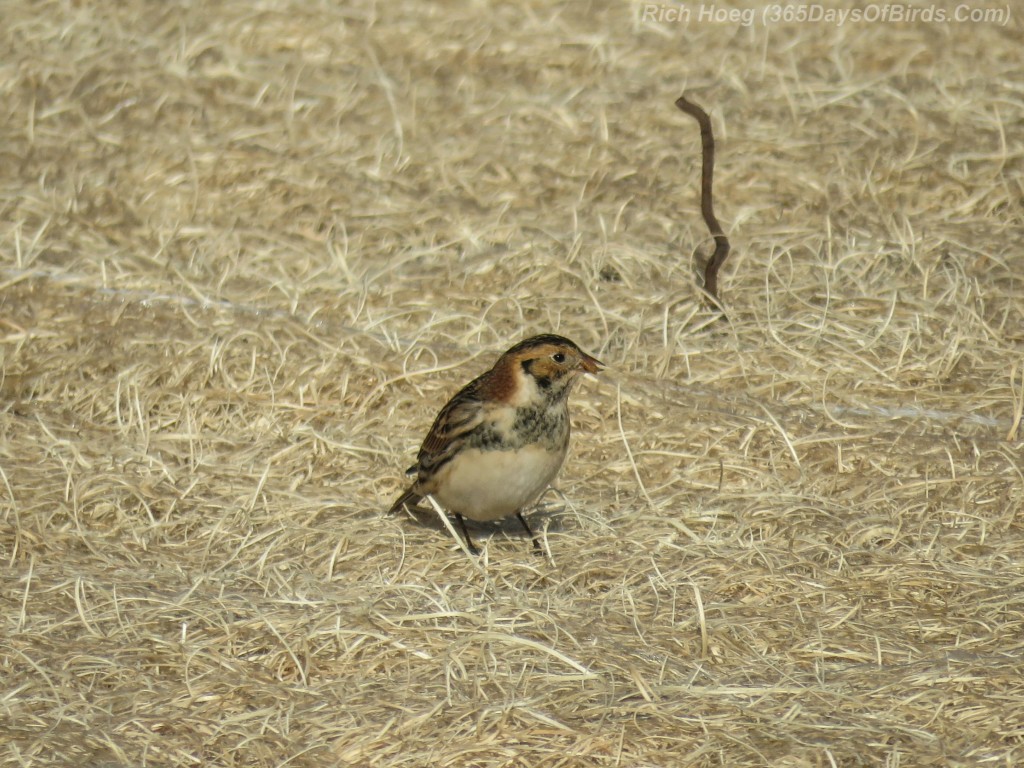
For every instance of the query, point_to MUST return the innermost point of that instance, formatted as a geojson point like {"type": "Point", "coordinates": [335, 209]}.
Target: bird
{"type": "Point", "coordinates": [500, 441]}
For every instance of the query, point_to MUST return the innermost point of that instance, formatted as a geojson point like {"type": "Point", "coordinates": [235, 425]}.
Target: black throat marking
{"type": "Point", "coordinates": [546, 423]}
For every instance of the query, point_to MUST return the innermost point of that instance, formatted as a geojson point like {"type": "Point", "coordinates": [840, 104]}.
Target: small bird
{"type": "Point", "coordinates": [501, 440]}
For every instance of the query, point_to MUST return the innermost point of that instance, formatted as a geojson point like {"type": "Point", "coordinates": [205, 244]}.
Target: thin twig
{"type": "Point", "coordinates": [707, 204]}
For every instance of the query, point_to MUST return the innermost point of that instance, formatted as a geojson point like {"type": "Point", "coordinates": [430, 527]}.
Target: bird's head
{"type": "Point", "coordinates": [543, 367]}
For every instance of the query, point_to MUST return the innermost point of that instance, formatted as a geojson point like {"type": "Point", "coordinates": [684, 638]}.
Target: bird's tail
{"type": "Point", "coordinates": [410, 499]}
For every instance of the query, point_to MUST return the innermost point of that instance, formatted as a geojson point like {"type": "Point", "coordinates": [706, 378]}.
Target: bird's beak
{"type": "Point", "coordinates": [590, 364]}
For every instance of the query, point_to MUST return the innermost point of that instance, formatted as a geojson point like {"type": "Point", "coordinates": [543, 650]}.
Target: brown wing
{"type": "Point", "coordinates": [455, 422]}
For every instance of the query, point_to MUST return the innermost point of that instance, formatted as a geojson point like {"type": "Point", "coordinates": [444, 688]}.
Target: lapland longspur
{"type": "Point", "coordinates": [501, 440]}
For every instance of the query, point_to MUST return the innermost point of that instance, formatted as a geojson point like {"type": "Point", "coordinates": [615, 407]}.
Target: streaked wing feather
{"type": "Point", "coordinates": [462, 414]}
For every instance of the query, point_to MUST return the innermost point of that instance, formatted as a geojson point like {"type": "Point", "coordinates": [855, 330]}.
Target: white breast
{"type": "Point", "coordinates": [489, 485]}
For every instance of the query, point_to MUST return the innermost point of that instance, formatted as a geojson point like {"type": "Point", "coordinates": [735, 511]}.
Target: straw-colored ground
{"type": "Point", "coordinates": [249, 249]}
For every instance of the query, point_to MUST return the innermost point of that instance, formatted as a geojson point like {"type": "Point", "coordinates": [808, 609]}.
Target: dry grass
{"type": "Point", "coordinates": [249, 249]}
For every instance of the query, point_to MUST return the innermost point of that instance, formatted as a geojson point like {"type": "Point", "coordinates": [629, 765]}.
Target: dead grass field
{"type": "Point", "coordinates": [247, 250]}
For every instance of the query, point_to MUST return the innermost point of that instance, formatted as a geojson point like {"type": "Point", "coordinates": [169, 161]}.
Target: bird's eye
{"type": "Point", "coordinates": [558, 357]}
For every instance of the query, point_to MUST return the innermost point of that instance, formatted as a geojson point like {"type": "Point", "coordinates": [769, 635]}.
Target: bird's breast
{"type": "Point", "coordinates": [545, 425]}
{"type": "Point", "coordinates": [491, 484]}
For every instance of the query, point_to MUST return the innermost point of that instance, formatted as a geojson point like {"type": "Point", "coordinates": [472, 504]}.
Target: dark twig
{"type": "Point", "coordinates": [707, 204]}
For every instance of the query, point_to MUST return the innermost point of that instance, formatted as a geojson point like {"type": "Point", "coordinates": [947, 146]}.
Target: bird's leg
{"type": "Point", "coordinates": [465, 532]}
{"type": "Point", "coordinates": [536, 544]}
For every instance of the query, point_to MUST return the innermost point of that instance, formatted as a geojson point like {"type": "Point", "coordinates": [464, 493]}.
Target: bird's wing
{"type": "Point", "coordinates": [456, 421]}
